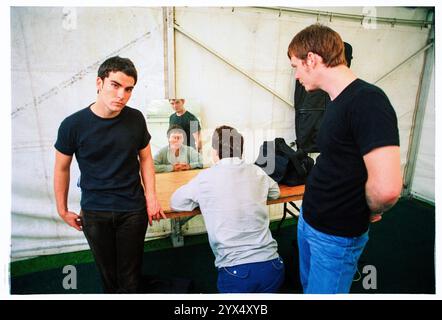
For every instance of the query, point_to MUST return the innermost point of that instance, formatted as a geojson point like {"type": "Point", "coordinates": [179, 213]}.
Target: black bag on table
{"type": "Point", "coordinates": [291, 167]}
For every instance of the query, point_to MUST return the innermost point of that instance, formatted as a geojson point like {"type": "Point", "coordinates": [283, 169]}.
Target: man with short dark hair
{"type": "Point", "coordinates": [188, 122]}
{"type": "Point", "coordinates": [357, 175]}
{"type": "Point", "coordinates": [111, 144]}
{"type": "Point", "coordinates": [232, 196]}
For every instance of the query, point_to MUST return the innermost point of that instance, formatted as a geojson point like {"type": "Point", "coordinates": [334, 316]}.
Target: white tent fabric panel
{"type": "Point", "coordinates": [423, 184]}
{"type": "Point", "coordinates": [55, 57]}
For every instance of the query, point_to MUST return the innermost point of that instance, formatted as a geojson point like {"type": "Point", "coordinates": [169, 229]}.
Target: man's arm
{"type": "Point", "coordinates": [184, 198]}
{"type": "Point", "coordinates": [274, 191]}
{"type": "Point", "coordinates": [61, 189]}
{"type": "Point", "coordinates": [154, 210]}
{"type": "Point", "coordinates": [198, 142]}
{"type": "Point", "coordinates": [163, 168]}
{"type": "Point", "coordinates": [384, 182]}
{"type": "Point", "coordinates": [160, 162]}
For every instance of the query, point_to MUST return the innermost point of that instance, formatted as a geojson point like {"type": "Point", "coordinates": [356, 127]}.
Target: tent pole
{"type": "Point", "coordinates": [237, 68]}
{"type": "Point", "coordinates": [169, 52]}
{"type": "Point", "coordinates": [418, 117]}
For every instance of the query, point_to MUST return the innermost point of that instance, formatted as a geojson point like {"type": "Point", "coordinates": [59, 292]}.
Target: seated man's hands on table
{"type": "Point", "coordinates": [181, 166]}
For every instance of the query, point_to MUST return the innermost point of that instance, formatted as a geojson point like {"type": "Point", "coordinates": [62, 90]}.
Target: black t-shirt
{"type": "Point", "coordinates": [360, 119]}
{"type": "Point", "coordinates": [107, 154]}
{"type": "Point", "coordinates": [189, 123]}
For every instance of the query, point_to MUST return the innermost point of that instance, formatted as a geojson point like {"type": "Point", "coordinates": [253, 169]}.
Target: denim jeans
{"type": "Point", "coordinates": [257, 277]}
{"type": "Point", "coordinates": [116, 240]}
{"type": "Point", "coordinates": [327, 263]}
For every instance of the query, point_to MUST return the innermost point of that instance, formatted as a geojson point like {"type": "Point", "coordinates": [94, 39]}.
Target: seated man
{"type": "Point", "coordinates": [232, 196]}
{"type": "Point", "coordinates": [177, 156]}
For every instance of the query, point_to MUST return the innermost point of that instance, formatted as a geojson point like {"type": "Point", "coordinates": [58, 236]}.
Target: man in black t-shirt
{"type": "Point", "coordinates": [357, 175]}
{"type": "Point", "coordinates": [111, 144]}
{"type": "Point", "coordinates": [188, 122]}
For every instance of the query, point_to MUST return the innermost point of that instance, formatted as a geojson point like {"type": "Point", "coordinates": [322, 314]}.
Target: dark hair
{"type": "Point", "coordinates": [348, 51]}
{"type": "Point", "coordinates": [228, 142]}
{"type": "Point", "coordinates": [321, 40]}
{"type": "Point", "coordinates": [115, 64]}
{"type": "Point", "coordinates": [175, 128]}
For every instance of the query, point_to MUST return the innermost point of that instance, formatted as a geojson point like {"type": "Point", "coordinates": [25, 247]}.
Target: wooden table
{"type": "Point", "coordinates": [168, 182]}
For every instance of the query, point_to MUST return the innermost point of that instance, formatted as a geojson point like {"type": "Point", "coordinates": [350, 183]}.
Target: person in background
{"type": "Point", "coordinates": [357, 175]}
{"type": "Point", "coordinates": [176, 156]}
{"type": "Point", "coordinates": [188, 122]}
{"type": "Point", "coordinates": [232, 196]}
{"type": "Point", "coordinates": [110, 142]}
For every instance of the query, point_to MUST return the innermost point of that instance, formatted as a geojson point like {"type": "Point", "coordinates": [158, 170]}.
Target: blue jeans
{"type": "Point", "coordinates": [116, 240]}
{"type": "Point", "coordinates": [327, 263]}
{"type": "Point", "coordinates": [257, 277]}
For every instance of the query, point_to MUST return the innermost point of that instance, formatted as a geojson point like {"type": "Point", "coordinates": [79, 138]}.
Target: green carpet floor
{"type": "Point", "coordinates": [401, 249]}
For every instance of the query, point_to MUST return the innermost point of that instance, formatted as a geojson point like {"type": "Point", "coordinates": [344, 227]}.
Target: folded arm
{"type": "Point", "coordinates": [161, 163]}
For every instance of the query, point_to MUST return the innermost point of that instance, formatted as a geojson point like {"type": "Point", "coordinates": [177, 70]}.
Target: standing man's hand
{"type": "Point", "coordinates": [154, 211]}
{"type": "Point", "coordinates": [72, 219]}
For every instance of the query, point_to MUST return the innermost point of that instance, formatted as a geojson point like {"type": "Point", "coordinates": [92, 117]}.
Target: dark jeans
{"type": "Point", "coordinates": [117, 242]}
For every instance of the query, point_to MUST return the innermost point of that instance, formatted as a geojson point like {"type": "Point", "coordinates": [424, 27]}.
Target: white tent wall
{"type": "Point", "coordinates": [56, 53]}
{"type": "Point", "coordinates": [256, 40]}
{"type": "Point", "coordinates": [423, 183]}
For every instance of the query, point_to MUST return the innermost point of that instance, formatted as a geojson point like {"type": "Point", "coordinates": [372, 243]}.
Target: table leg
{"type": "Point", "coordinates": [284, 215]}
{"type": "Point", "coordinates": [177, 232]}
{"type": "Point", "coordinates": [176, 236]}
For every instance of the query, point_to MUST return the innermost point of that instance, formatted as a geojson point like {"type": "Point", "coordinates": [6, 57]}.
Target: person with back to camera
{"type": "Point", "coordinates": [111, 145]}
{"type": "Point", "coordinates": [176, 156]}
{"type": "Point", "coordinates": [232, 196]}
{"type": "Point", "coordinates": [357, 175]}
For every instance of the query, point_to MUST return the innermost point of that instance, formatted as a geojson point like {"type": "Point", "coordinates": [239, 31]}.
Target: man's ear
{"type": "Point", "coordinates": [310, 60]}
{"type": "Point", "coordinates": [99, 84]}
